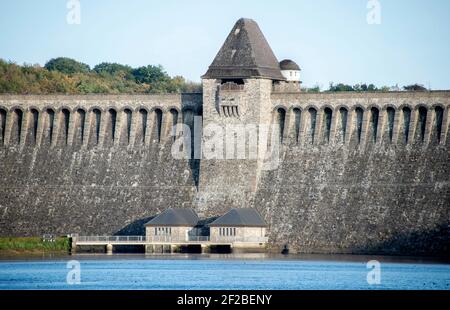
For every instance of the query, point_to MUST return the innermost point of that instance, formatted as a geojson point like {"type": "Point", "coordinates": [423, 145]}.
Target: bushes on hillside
{"type": "Point", "coordinates": [68, 76]}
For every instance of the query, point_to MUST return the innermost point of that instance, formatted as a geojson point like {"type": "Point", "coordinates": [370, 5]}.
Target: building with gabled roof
{"type": "Point", "coordinates": [174, 224]}
{"type": "Point", "coordinates": [241, 225]}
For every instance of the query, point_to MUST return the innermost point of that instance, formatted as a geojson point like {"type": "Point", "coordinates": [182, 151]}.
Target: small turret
{"type": "Point", "coordinates": [291, 73]}
{"type": "Point", "coordinates": [290, 70]}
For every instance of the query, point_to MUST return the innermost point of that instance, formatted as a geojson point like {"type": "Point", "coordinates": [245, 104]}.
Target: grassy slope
{"type": "Point", "coordinates": [11, 245]}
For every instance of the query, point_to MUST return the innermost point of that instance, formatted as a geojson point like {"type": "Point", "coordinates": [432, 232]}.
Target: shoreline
{"type": "Point", "coordinates": [344, 258]}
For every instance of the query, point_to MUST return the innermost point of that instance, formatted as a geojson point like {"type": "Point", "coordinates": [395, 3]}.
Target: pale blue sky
{"type": "Point", "coordinates": [329, 39]}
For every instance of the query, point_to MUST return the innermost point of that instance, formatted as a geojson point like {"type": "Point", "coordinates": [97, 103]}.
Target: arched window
{"type": "Point", "coordinates": [16, 130]}
{"type": "Point", "coordinates": [80, 118]}
{"type": "Point", "coordinates": [327, 116]}
{"type": "Point", "coordinates": [406, 123]}
{"type": "Point", "coordinates": [313, 118]}
{"type": "Point", "coordinates": [344, 116]}
{"type": "Point", "coordinates": [439, 115]}
{"type": "Point", "coordinates": [359, 119]}
{"type": "Point", "coordinates": [421, 124]}
{"type": "Point", "coordinates": [297, 118]}
{"type": "Point", "coordinates": [158, 124]}
{"type": "Point", "coordinates": [64, 125]}
{"type": "Point", "coordinates": [390, 122]}
{"type": "Point", "coordinates": [112, 119]}
{"type": "Point", "coordinates": [188, 120]}
{"type": "Point", "coordinates": [49, 125]}
{"type": "Point", "coordinates": [97, 119]}
{"type": "Point", "coordinates": [143, 116]}
{"type": "Point", "coordinates": [174, 122]}
{"type": "Point", "coordinates": [281, 119]}
{"type": "Point", "coordinates": [128, 118]}
{"type": "Point", "coordinates": [2, 125]}
{"type": "Point", "coordinates": [33, 125]}
{"type": "Point", "coordinates": [374, 115]}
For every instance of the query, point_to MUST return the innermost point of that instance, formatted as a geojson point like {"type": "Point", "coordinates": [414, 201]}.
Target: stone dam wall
{"type": "Point", "coordinates": [359, 173]}
{"type": "Point", "coordinates": [91, 164]}
{"type": "Point", "coordinates": [371, 176]}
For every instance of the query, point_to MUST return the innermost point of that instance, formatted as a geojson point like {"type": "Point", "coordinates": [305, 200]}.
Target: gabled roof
{"type": "Point", "coordinates": [245, 54]}
{"type": "Point", "coordinates": [248, 217]}
{"type": "Point", "coordinates": [175, 217]}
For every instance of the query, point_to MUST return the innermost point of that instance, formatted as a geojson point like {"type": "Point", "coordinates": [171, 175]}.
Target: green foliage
{"type": "Point", "coordinates": [414, 87]}
{"type": "Point", "coordinates": [21, 244]}
{"type": "Point", "coordinates": [315, 89]}
{"type": "Point", "coordinates": [106, 78]}
{"type": "Point", "coordinates": [114, 69]}
{"type": "Point", "coordinates": [66, 65]}
{"type": "Point", "coordinates": [357, 88]}
{"type": "Point", "coordinates": [150, 74]}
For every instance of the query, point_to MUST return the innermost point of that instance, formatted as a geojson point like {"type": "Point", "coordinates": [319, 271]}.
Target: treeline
{"type": "Point", "coordinates": [365, 88]}
{"type": "Point", "coordinates": [68, 76]}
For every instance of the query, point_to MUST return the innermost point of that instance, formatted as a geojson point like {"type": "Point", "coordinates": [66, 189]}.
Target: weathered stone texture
{"type": "Point", "coordinates": [374, 189]}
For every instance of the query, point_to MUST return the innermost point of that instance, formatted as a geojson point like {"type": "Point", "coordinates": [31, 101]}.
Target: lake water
{"type": "Point", "coordinates": [222, 272]}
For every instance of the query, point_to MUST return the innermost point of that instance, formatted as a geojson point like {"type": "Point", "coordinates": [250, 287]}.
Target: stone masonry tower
{"type": "Point", "coordinates": [236, 93]}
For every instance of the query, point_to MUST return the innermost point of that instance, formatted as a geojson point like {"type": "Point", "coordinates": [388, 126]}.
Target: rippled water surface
{"type": "Point", "coordinates": [221, 272]}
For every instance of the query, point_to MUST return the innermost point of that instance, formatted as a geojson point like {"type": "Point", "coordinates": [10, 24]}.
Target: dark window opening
{"type": "Point", "coordinates": [17, 126]}
{"type": "Point", "coordinates": [158, 122]}
{"type": "Point", "coordinates": [359, 120]}
{"type": "Point", "coordinates": [112, 123]}
{"type": "Point", "coordinates": [344, 117]}
{"type": "Point", "coordinates": [2, 125]}
{"type": "Point", "coordinates": [313, 118]}
{"type": "Point", "coordinates": [374, 115]}
{"type": "Point", "coordinates": [281, 118]}
{"type": "Point", "coordinates": [34, 125]}
{"type": "Point", "coordinates": [391, 118]}
{"type": "Point", "coordinates": [174, 116]}
{"type": "Point", "coordinates": [65, 122]}
{"type": "Point", "coordinates": [81, 117]}
{"type": "Point", "coordinates": [97, 120]}
{"type": "Point", "coordinates": [422, 123]}
{"type": "Point", "coordinates": [50, 119]}
{"type": "Point", "coordinates": [328, 114]}
{"type": "Point", "coordinates": [143, 117]}
{"type": "Point", "coordinates": [406, 123]}
{"type": "Point", "coordinates": [438, 123]}
{"type": "Point", "coordinates": [235, 81]}
{"type": "Point", "coordinates": [128, 116]}
{"type": "Point", "coordinates": [297, 115]}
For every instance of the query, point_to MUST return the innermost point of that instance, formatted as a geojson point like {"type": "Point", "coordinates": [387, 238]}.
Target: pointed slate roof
{"type": "Point", "coordinates": [175, 217]}
{"type": "Point", "coordinates": [248, 217]}
{"type": "Point", "coordinates": [245, 54]}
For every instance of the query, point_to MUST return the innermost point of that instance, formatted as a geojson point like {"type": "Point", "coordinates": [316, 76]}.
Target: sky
{"type": "Point", "coordinates": [331, 40]}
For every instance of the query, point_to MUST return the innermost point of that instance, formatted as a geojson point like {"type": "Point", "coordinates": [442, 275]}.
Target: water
{"type": "Point", "coordinates": [222, 272]}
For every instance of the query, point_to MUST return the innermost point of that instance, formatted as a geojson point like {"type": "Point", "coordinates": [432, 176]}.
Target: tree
{"type": "Point", "coordinates": [107, 78]}
{"type": "Point", "coordinates": [340, 87]}
{"type": "Point", "coordinates": [150, 74]}
{"type": "Point", "coordinates": [114, 69]}
{"type": "Point", "coordinates": [66, 65]}
{"type": "Point", "coordinates": [414, 87]}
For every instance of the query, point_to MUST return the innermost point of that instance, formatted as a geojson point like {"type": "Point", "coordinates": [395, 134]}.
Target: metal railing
{"type": "Point", "coordinates": [102, 239]}
{"type": "Point", "coordinates": [176, 239]}
{"type": "Point", "coordinates": [232, 239]}
{"type": "Point", "coordinates": [166, 239]}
